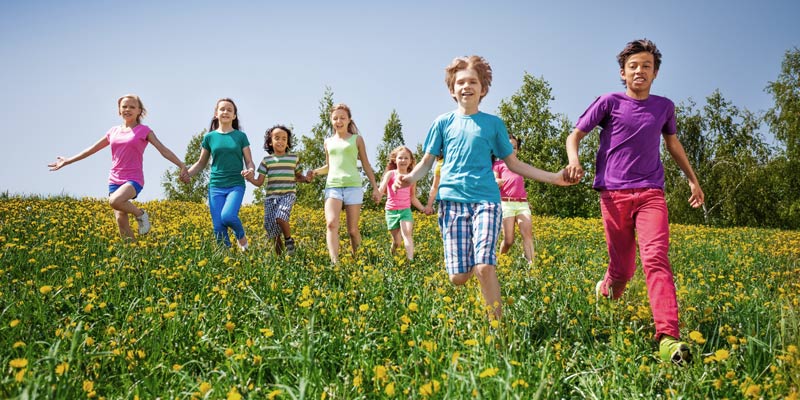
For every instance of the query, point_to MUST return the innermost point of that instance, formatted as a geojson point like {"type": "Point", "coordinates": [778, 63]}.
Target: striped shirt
{"type": "Point", "coordinates": [280, 173]}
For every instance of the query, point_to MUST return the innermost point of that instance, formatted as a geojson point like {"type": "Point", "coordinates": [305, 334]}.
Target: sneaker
{"type": "Point", "coordinates": [289, 242]}
{"type": "Point", "coordinates": [671, 349]}
{"type": "Point", "coordinates": [242, 247]}
{"type": "Point", "coordinates": [144, 223]}
{"type": "Point", "coordinates": [598, 289]}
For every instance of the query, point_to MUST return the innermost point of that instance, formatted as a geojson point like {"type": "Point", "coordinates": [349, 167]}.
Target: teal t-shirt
{"type": "Point", "coordinates": [227, 159]}
{"type": "Point", "coordinates": [467, 143]}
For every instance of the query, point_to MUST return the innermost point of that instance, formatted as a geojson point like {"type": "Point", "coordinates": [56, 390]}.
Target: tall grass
{"type": "Point", "coordinates": [84, 315]}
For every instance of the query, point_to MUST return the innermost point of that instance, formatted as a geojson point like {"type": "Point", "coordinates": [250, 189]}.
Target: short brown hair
{"type": "Point", "coordinates": [638, 46]}
{"type": "Point", "coordinates": [477, 63]}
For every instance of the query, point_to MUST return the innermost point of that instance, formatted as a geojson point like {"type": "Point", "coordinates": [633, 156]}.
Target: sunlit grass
{"type": "Point", "coordinates": [84, 315]}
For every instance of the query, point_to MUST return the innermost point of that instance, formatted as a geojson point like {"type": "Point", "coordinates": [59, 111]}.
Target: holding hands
{"type": "Point", "coordinates": [573, 173]}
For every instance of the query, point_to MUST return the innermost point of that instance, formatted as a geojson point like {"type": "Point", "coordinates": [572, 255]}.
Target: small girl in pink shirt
{"type": "Point", "coordinates": [398, 202]}
{"type": "Point", "coordinates": [126, 178]}
{"type": "Point", "coordinates": [514, 201]}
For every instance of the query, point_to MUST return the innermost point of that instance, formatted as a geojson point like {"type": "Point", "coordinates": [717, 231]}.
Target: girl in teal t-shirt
{"type": "Point", "coordinates": [229, 150]}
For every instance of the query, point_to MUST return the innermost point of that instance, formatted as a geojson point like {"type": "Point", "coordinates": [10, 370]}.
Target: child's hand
{"type": "Point", "coordinates": [309, 175]}
{"type": "Point", "coordinates": [573, 173]}
{"type": "Point", "coordinates": [698, 197]}
{"type": "Point", "coordinates": [561, 178]}
{"type": "Point", "coordinates": [376, 195]}
{"type": "Point", "coordinates": [184, 175]}
{"type": "Point", "coordinates": [248, 173]}
{"type": "Point", "coordinates": [428, 210]}
{"type": "Point", "coordinates": [401, 181]}
{"type": "Point", "coordinates": [60, 162]}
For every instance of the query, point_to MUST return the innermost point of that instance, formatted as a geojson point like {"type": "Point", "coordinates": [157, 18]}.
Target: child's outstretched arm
{"type": "Point", "coordinates": [257, 181]}
{"type": "Point", "coordinates": [61, 161]}
{"type": "Point", "coordinates": [200, 164]}
{"type": "Point", "coordinates": [168, 154]}
{"type": "Point", "coordinates": [414, 200]}
{"type": "Point", "coordinates": [521, 168]}
{"type": "Point", "coordinates": [384, 186]}
{"type": "Point", "coordinates": [675, 149]}
{"type": "Point", "coordinates": [574, 171]}
{"type": "Point", "coordinates": [362, 156]}
{"type": "Point", "coordinates": [416, 174]}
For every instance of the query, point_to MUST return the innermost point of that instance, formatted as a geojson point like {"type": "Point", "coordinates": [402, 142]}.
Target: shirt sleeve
{"type": "Point", "coordinates": [590, 118]}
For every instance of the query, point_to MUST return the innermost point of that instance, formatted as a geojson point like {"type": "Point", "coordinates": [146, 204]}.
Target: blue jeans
{"type": "Point", "coordinates": [224, 204]}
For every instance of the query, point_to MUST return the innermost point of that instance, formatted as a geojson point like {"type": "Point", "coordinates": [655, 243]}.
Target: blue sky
{"type": "Point", "coordinates": [66, 63]}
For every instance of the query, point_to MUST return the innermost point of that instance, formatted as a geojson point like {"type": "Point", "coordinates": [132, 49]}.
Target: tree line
{"type": "Point", "coordinates": [747, 180]}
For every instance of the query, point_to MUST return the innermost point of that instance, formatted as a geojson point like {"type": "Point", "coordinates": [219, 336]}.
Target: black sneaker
{"type": "Point", "coordinates": [289, 245]}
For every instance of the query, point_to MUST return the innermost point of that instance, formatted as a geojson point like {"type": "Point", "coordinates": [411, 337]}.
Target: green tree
{"type": "Point", "coordinates": [312, 152]}
{"type": "Point", "coordinates": [543, 135]}
{"type": "Point", "coordinates": [730, 155]}
{"type": "Point", "coordinates": [197, 189]}
{"type": "Point", "coordinates": [784, 121]}
{"type": "Point", "coordinates": [392, 137]}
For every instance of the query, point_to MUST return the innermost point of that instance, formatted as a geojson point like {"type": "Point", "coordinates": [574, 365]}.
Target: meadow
{"type": "Point", "coordinates": [84, 315]}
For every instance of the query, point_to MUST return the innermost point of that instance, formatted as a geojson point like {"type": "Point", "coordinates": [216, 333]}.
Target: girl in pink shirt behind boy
{"type": "Point", "coordinates": [126, 178]}
{"type": "Point", "coordinates": [399, 201]}
{"type": "Point", "coordinates": [514, 202]}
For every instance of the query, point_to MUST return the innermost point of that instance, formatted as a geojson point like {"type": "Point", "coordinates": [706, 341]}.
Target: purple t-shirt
{"type": "Point", "coordinates": [127, 151]}
{"type": "Point", "coordinates": [629, 155]}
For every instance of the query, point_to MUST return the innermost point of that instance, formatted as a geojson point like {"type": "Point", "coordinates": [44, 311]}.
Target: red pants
{"type": "Point", "coordinates": [640, 212]}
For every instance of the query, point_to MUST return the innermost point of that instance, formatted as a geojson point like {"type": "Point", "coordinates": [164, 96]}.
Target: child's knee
{"type": "Point", "coordinates": [459, 279]}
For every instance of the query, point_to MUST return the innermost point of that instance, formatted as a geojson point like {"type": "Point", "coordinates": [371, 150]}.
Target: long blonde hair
{"type": "Point", "coordinates": [351, 127]}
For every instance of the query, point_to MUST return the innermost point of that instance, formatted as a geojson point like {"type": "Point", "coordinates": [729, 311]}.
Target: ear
{"type": "Point", "coordinates": [622, 73]}
{"type": "Point", "coordinates": [655, 74]}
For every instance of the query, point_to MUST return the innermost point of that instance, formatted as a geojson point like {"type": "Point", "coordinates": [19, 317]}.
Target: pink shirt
{"type": "Point", "coordinates": [127, 149]}
{"type": "Point", "coordinates": [514, 186]}
{"type": "Point", "coordinates": [397, 200]}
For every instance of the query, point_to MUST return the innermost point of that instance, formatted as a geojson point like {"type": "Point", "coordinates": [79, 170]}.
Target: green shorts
{"type": "Point", "coordinates": [514, 208]}
{"type": "Point", "coordinates": [393, 218]}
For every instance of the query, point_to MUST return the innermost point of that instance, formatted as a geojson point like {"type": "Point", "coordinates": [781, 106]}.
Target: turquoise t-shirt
{"type": "Point", "coordinates": [467, 143]}
{"type": "Point", "coordinates": [227, 159]}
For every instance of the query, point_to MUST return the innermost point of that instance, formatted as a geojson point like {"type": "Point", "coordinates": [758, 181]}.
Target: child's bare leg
{"type": "Point", "coordinates": [396, 240]}
{"type": "Point", "coordinates": [120, 201]}
{"type": "Point", "coordinates": [285, 228]}
{"type": "Point", "coordinates": [333, 208]}
{"type": "Point", "coordinates": [407, 230]}
{"type": "Point", "coordinates": [353, 213]}
{"type": "Point", "coordinates": [526, 231]}
{"type": "Point", "coordinates": [508, 235]}
{"type": "Point", "coordinates": [490, 288]}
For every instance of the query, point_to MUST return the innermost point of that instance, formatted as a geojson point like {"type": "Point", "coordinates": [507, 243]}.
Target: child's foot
{"type": "Point", "coordinates": [143, 222]}
{"type": "Point", "coordinates": [671, 349]}
{"type": "Point", "coordinates": [289, 242]}
{"type": "Point", "coordinates": [242, 243]}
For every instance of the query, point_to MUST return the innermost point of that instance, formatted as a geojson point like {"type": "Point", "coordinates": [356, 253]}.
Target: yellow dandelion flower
{"type": "Point", "coordinates": [697, 337]}
{"type": "Point", "coordinates": [229, 326]}
{"type": "Point", "coordinates": [413, 307]}
{"type": "Point", "coordinates": [266, 332]}
{"type": "Point", "coordinates": [519, 382]}
{"type": "Point", "coordinates": [752, 391]}
{"type": "Point", "coordinates": [229, 352]}
{"type": "Point", "coordinates": [721, 354]}
{"type": "Point", "coordinates": [363, 307]}
{"type": "Point", "coordinates": [17, 345]}
{"type": "Point", "coordinates": [18, 363]}
{"type": "Point", "coordinates": [89, 341]}
{"type": "Point", "coordinates": [45, 289]}
{"type": "Point", "coordinates": [791, 348]}
{"type": "Point", "coordinates": [13, 323]}
{"type": "Point", "coordinates": [204, 387]}
{"type": "Point", "coordinates": [488, 372]}
{"type": "Point", "coordinates": [380, 372]}
{"type": "Point", "coordinates": [62, 368]}
{"type": "Point", "coordinates": [233, 394]}
{"type": "Point", "coordinates": [176, 367]}
{"type": "Point", "coordinates": [273, 394]}
{"type": "Point", "coordinates": [88, 386]}
{"type": "Point", "coordinates": [471, 342]}
{"type": "Point", "coordinates": [495, 323]}
{"type": "Point", "coordinates": [20, 376]}
{"type": "Point", "coordinates": [389, 389]}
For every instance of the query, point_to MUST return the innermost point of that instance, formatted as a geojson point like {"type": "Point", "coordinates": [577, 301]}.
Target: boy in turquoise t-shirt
{"type": "Point", "coordinates": [469, 199]}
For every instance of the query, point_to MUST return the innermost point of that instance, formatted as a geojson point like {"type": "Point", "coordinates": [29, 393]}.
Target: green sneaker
{"type": "Point", "coordinates": [671, 349]}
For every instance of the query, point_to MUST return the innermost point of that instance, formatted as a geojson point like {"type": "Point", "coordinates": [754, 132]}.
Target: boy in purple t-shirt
{"type": "Point", "coordinates": [630, 179]}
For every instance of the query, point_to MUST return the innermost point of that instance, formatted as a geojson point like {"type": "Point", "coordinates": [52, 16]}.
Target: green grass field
{"type": "Point", "coordinates": [83, 315]}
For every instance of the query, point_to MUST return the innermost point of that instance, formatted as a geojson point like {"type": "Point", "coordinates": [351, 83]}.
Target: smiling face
{"type": "Point", "coordinates": [340, 119]}
{"type": "Point", "coordinates": [403, 161]}
{"type": "Point", "coordinates": [225, 112]}
{"type": "Point", "coordinates": [467, 89]}
{"type": "Point", "coordinates": [280, 140]}
{"type": "Point", "coordinates": [638, 74]}
{"type": "Point", "coordinates": [130, 110]}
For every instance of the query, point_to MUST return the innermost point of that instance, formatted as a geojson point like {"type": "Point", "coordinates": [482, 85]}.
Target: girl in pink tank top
{"type": "Point", "coordinates": [398, 202]}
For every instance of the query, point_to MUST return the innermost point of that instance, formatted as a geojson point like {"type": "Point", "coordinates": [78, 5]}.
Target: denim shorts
{"type": "Point", "coordinates": [113, 187]}
{"type": "Point", "coordinates": [348, 195]}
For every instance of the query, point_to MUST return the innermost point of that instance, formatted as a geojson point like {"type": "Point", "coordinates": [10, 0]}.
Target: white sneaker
{"type": "Point", "coordinates": [144, 223]}
{"type": "Point", "coordinates": [242, 247]}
